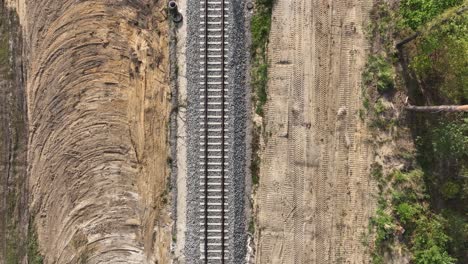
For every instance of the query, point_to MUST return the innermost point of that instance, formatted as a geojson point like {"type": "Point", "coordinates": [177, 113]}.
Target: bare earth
{"type": "Point", "coordinates": [315, 197]}
{"type": "Point", "coordinates": [181, 221]}
{"type": "Point", "coordinates": [98, 101]}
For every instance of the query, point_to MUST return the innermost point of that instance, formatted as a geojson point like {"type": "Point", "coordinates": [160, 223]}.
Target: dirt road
{"type": "Point", "coordinates": [315, 196]}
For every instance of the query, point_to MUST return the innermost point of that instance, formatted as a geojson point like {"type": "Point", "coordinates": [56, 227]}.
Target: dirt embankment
{"type": "Point", "coordinates": [98, 107]}
{"type": "Point", "coordinates": [314, 197]}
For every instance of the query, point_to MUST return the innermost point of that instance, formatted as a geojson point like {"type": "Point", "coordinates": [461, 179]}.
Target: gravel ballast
{"type": "Point", "coordinates": [237, 132]}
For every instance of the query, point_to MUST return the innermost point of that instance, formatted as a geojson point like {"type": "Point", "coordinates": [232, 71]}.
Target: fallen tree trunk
{"type": "Point", "coordinates": [439, 108]}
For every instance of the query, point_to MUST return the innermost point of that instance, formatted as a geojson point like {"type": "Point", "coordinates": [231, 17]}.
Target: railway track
{"type": "Point", "coordinates": [214, 145]}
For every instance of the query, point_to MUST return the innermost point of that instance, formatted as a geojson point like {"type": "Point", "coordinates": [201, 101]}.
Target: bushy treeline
{"type": "Point", "coordinates": [439, 61]}
{"type": "Point", "coordinates": [424, 207]}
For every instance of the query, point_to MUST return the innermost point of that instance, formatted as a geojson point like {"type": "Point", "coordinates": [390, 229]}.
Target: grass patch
{"type": "Point", "coordinates": [379, 107]}
{"type": "Point", "coordinates": [260, 30]}
{"type": "Point", "coordinates": [260, 84]}
{"type": "Point", "coordinates": [255, 162]}
{"type": "Point", "coordinates": [34, 256]}
{"type": "Point", "coordinates": [252, 226]}
{"type": "Point", "coordinates": [378, 81]}
{"type": "Point", "coordinates": [5, 52]}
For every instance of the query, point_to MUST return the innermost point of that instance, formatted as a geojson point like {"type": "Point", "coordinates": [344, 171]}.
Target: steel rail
{"type": "Point", "coordinates": [206, 133]}
{"type": "Point", "coordinates": [206, 117]}
{"type": "Point", "coordinates": [222, 131]}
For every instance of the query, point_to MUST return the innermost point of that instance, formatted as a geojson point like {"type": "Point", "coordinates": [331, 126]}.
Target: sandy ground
{"type": "Point", "coordinates": [98, 101]}
{"type": "Point", "coordinates": [20, 7]}
{"type": "Point", "coordinates": [315, 197]}
{"type": "Point", "coordinates": [179, 256]}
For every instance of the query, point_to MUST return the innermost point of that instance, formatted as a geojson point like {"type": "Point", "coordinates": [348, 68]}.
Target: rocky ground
{"type": "Point", "coordinates": [238, 97]}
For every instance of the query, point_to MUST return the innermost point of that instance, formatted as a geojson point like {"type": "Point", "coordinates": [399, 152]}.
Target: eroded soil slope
{"type": "Point", "coordinates": [315, 197]}
{"type": "Point", "coordinates": [98, 100]}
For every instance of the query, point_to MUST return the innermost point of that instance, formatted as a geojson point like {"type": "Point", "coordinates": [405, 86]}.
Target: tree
{"type": "Point", "coordinates": [442, 20]}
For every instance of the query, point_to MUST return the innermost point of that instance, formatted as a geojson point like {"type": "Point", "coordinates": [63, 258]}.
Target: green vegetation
{"type": "Point", "coordinates": [12, 245]}
{"type": "Point", "coordinates": [261, 22]}
{"type": "Point", "coordinates": [440, 59]}
{"type": "Point", "coordinates": [260, 82]}
{"type": "Point", "coordinates": [379, 73]}
{"type": "Point", "coordinates": [450, 190]}
{"type": "Point", "coordinates": [385, 227]}
{"type": "Point", "coordinates": [457, 230]}
{"type": "Point", "coordinates": [4, 46]}
{"type": "Point", "coordinates": [407, 217]}
{"type": "Point", "coordinates": [378, 82]}
{"type": "Point", "coordinates": [422, 207]}
{"type": "Point", "coordinates": [379, 107]}
{"type": "Point", "coordinates": [415, 13]}
{"type": "Point", "coordinates": [450, 139]}
{"type": "Point", "coordinates": [442, 152]}
{"type": "Point", "coordinates": [252, 226]}
{"type": "Point", "coordinates": [34, 256]}
{"type": "Point", "coordinates": [255, 163]}
{"type": "Point", "coordinates": [255, 172]}
{"type": "Point", "coordinates": [260, 29]}
{"type": "Point", "coordinates": [407, 211]}
{"type": "Point", "coordinates": [430, 241]}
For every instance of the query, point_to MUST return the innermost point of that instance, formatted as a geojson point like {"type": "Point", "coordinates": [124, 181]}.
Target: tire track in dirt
{"type": "Point", "coordinates": [314, 203]}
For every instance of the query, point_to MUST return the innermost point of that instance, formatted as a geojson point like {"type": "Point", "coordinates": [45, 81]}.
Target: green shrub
{"type": "Point", "coordinates": [430, 241]}
{"type": "Point", "coordinates": [408, 212]}
{"type": "Point", "coordinates": [379, 72]}
{"type": "Point", "coordinates": [252, 226]}
{"type": "Point", "coordinates": [34, 256]}
{"type": "Point", "coordinates": [433, 255]}
{"type": "Point", "coordinates": [383, 223]}
{"type": "Point", "coordinates": [379, 107]}
{"type": "Point", "coordinates": [450, 190]}
{"type": "Point", "coordinates": [400, 177]}
{"type": "Point", "coordinates": [440, 59]}
{"type": "Point", "coordinates": [377, 174]}
{"type": "Point", "coordinates": [397, 196]}
{"type": "Point", "coordinates": [416, 13]}
{"type": "Point", "coordinates": [366, 103]}
{"type": "Point", "coordinates": [260, 81]}
{"type": "Point", "coordinates": [450, 140]}
{"type": "Point", "coordinates": [415, 175]}
{"type": "Point", "coordinates": [377, 259]}
{"type": "Point", "coordinates": [457, 230]}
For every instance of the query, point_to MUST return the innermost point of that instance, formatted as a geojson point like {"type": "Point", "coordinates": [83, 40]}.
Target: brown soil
{"type": "Point", "coordinates": [315, 194]}
{"type": "Point", "coordinates": [98, 101]}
